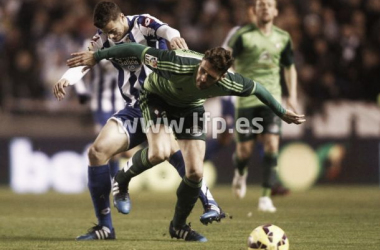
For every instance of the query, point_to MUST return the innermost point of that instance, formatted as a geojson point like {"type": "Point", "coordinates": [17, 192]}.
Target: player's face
{"type": "Point", "coordinates": [266, 10]}
{"type": "Point", "coordinates": [207, 75]}
{"type": "Point", "coordinates": [116, 29]}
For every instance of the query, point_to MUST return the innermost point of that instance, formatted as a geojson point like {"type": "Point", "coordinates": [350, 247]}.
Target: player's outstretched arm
{"type": "Point", "coordinates": [59, 88]}
{"type": "Point", "coordinates": [178, 43]}
{"type": "Point", "coordinates": [286, 115]}
{"type": "Point", "coordinates": [84, 58]}
{"type": "Point", "coordinates": [292, 117]}
{"type": "Point", "coordinates": [173, 36]}
{"type": "Point", "coordinates": [290, 75]}
{"type": "Point", "coordinates": [71, 76]}
{"type": "Point", "coordinates": [90, 58]}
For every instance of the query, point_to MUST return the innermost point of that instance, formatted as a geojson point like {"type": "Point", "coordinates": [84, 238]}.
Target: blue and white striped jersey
{"type": "Point", "coordinates": [131, 73]}
{"type": "Point", "coordinates": [102, 89]}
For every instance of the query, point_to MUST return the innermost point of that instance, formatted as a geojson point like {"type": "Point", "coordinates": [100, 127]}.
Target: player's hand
{"type": "Point", "coordinates": [59, 89]}
{"type": "Point", "coordinates": [178, 43]}
{"type": "Point", "coordinates": [84, 58]}
{"type": "Point", "coordinates": [291, 117]}
{"type": "Point", "coordinates": [291, 103]}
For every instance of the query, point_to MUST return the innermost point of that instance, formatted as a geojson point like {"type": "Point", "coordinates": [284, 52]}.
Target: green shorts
{"type": "Point", "coordinates": [259, 120]}
{"type": "Point", "coordinates": [186, 123]}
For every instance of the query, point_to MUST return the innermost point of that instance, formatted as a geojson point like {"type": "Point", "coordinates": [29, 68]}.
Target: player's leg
{"type": "Point", "coordinates": [270, 140]}
{"type": "Point", "coordinates": [188, 190]}
{"type": "Point", "coordinates": [114, 165]}
{"type": "Point", "coordinates": [212, 211]}
{"type": "Point", "coordinates": [244, 136]}
{"type": "Point", "coordinates": [240, 161]}
{"type": "Point", "coordinates": [109, 142]}
{"type": "Point", "coordinates": [100, 120]}
{"type": "Point", "coordinates": [271, 145]}
{"type": "Point", "coordinates": [159, 150]}
{"type": "Point", "coordinates": [142, 160]}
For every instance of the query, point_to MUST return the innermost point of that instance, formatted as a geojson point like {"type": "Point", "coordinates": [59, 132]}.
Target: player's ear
{"type": "Point", "coordinates": [276, 11]}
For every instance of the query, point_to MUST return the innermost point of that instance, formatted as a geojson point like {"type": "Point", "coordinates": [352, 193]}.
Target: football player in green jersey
{"type": "Point", "coordinates": [260, 50]}
{"type": "Point", "coordinates": [174, 94]}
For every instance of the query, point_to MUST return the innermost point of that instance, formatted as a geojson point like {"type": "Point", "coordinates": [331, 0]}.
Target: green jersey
{"type": "Point", "coordinates": [260, 57]}
{"type": "Point", "coordinates": [174, 77]}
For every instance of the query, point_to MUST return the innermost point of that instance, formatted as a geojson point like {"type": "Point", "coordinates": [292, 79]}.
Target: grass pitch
{"type": "Point", "coordinates": [325, 217]}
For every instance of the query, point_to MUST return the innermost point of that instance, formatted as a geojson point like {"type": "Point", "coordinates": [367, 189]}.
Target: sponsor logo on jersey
{"type": "Point", "coordinates": [129, 63]}
{"type": "Point", "coordinates": [147, 21]}
{"type": "Point", "coordinates": [151, 61]}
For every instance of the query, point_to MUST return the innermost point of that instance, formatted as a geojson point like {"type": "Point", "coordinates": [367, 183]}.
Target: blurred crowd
{"type": "Point", "coordinates": [336, 41]}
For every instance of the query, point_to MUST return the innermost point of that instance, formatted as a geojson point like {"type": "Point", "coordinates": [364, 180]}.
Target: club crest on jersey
{"type": "Point", "coordinates": [151, 61]}
{"type": "Point", "coordinates": [265, 56]}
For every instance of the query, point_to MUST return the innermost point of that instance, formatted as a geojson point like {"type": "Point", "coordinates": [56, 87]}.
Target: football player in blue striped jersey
{"type": "Point", "coordinates": [99, 90]}
{"type": "Point", "coordinates": [116, 136]}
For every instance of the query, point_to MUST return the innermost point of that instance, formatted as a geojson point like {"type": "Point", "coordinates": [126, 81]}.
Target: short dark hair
{"type": "Point", "coordinates": [249, 3]}
{"type": "Point", "coordinates": [105, 12]}
{"type": "Point", "coordinates": [220, 58]}
{"type": "Point", "coordinates": [253, 3]}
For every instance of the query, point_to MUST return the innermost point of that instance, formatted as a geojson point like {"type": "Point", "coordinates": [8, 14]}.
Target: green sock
{"type": "Point", "coordinates": [269, 171]}
{"type": "Point", "coordinates": [266, 192]}
{"type": "Point", "coordinates": [140, 163]}
{"type": "Point", "coordinates": [240, 165]}
{"type": "Point", "coordinates": [187, 195]}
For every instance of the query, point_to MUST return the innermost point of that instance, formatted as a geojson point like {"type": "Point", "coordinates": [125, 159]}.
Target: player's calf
{"type": "Point", "coordinates": [121, 199]}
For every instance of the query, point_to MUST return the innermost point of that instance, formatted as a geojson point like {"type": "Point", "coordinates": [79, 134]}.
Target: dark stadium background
{"type": "Point", "coordinates": [337, 57]}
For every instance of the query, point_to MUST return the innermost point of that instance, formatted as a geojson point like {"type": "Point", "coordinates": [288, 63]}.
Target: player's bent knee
{"type": "Point", "coordinates": [195, 175]}
{"type": "Point", "coordinates": [271, 148]}
{"type": "Point", "coordinates": [158, 157]}
{"type": "Point", "coordinates": [243, 153]}
{"type": "Point", "coordinates": [97, 155]}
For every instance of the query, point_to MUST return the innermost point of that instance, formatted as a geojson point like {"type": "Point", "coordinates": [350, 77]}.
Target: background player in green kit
{"type": "Point", "coordinates": [260, 50]}
{"type": "Point", "coordinates": [175, 92]}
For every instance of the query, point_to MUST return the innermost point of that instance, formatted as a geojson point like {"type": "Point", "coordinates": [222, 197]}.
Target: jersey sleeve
{"type": "Point", "coordinates": [74, 75]}
{"type": "Point", "coordinates": [237, 85]}
{"type": "Point", "coordinates": [236, 44]}
{"type": "Point", "coordinates": [121, 51]}
{"type": "Point", "coordinates": [148, 25]}
{"type": "Point", "coordinates": [174, 62]}
{"type": "Point", "coordinates": [265, 97]}
{"type": "Point", "coordinates": [287, 55]}
{"type": "Point", "coordinates": [226, 42]}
